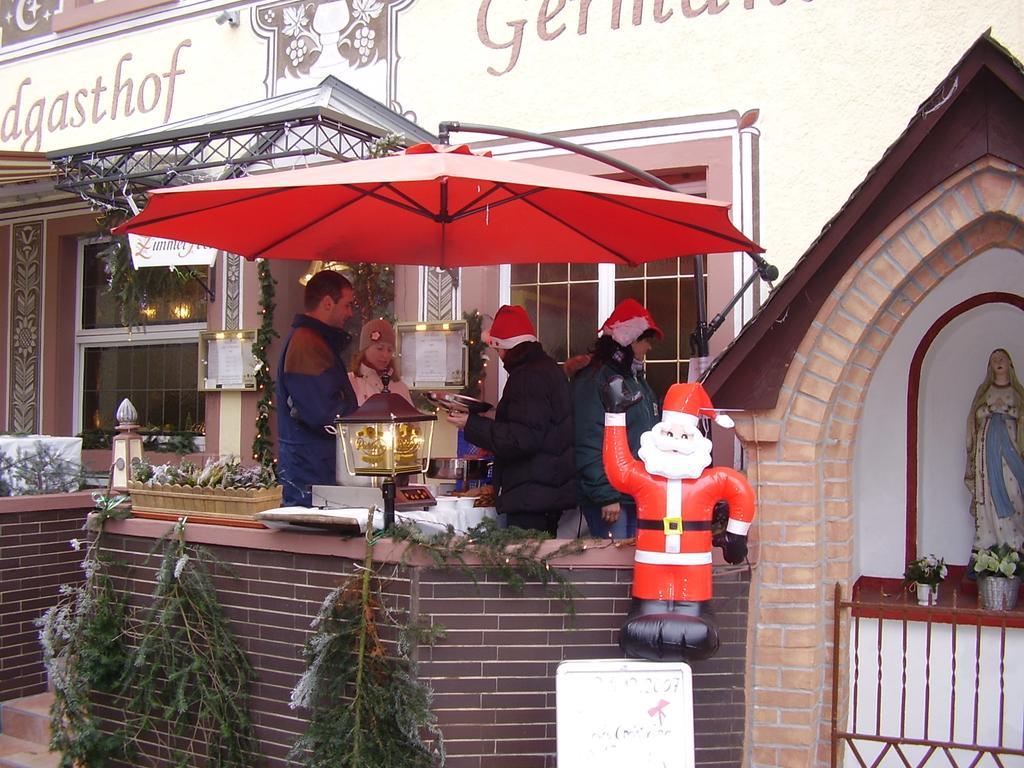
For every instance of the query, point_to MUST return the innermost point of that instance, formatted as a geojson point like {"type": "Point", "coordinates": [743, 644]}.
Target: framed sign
{"type": "Point", "coordinates": [433, 355]}
{"type": "Point", "coordinates": [226, 361]}
{"type": "Point", "coordinates": [616, 712]}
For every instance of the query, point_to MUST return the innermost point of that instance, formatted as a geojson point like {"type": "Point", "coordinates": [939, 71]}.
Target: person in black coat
{"type": "Point", "coordinates": [531, 433]}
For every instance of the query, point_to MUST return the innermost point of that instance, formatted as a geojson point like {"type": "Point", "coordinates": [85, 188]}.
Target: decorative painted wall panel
{"type": "Point", "coordinates": [26, 293]}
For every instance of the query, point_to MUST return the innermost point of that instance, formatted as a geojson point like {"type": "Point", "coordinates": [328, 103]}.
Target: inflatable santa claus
{"type": "Point", "coordinates": [676, 493]}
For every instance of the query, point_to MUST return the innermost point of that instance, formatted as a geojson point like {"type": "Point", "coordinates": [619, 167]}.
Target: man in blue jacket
{"type": "Point", "coordinates": [313, 387]}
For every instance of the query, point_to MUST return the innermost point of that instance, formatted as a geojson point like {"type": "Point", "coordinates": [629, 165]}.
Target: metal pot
{"type": "Point", "coordinates": [458, 469]}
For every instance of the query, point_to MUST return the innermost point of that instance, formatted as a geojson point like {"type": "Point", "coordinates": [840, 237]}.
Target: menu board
{"type": "Point", "coordinates": [614, 712]}
{"type": "Point", "coordinates": [433, 356]}
{"type": "Point", "coordinates": [226, 361]}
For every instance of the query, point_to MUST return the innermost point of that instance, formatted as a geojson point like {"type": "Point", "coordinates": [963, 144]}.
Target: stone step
{"type": "Point", "coordinates": [27, 719]}
{"type": "Point", "coordinates": [15, 753]}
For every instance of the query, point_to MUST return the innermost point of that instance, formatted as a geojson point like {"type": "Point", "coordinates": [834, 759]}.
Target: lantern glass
{"type": "Point", "coordinates": [387, 448]}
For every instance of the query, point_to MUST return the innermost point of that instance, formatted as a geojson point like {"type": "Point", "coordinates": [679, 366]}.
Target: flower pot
{"type": "Point", "coordinates": [927, 594]}
{"type": "Point", "coordinates": [219, 506]}
{"type": "Point", "coordinates": [998, 593]}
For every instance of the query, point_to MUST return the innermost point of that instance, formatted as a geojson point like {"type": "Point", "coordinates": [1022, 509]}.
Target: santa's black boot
{"type": "Point", "coordinates": [666, 630]}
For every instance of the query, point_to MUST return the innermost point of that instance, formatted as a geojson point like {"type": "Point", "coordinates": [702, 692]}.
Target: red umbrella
{"type": "Point", "coordinates": [439, 206]}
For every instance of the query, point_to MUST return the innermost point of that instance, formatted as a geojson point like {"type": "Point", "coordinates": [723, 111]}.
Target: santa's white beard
{"type": "Point", "coordinates": [673, 464]}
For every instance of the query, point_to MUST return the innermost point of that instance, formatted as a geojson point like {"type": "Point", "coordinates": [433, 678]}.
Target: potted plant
{"type": "Point", "coordinates": [923, 576]}
{"type": "Point", "coordinates": [999, 569]}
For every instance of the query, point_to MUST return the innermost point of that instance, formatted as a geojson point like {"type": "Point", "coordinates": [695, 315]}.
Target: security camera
{"type": "Point", "coordinates": [231, 18]}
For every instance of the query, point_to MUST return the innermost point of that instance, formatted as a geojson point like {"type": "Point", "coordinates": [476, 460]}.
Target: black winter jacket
{"type": "Point", "coordinates": [530, 435]}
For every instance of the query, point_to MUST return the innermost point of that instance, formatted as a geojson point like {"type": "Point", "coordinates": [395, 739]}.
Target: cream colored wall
{"type": "Point", "coordinates": [835, 81]}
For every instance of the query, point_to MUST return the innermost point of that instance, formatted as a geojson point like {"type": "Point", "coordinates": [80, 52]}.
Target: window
{"type": "Point", "coordinates": [156, 367]}
{"type": "Point", "coordinates": [564, 301]}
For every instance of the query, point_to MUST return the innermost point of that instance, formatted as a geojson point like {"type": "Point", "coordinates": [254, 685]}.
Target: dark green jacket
{"type": "Point", "coordinates": [588, 413]}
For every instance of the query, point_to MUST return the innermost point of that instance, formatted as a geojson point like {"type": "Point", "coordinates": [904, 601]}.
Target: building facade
{"type": "Point", "coordinates": [836, 129]}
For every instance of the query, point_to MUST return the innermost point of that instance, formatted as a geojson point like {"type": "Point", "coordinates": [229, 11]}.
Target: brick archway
{"type": "Point", "coordinates": [800, 454]}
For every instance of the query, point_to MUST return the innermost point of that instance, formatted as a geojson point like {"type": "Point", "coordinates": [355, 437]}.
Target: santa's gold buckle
{"type": "Point", "coordinates": [673, 526]}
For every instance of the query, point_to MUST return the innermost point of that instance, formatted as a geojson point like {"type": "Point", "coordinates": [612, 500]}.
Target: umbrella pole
{"type": "Point", "coordinates": [702, 333]}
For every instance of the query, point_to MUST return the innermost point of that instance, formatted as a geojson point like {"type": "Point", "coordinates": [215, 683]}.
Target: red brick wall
{"type": "Point", "coordinates": [493, 675]}
{"type": "Point", "coordinates": [35, 560]}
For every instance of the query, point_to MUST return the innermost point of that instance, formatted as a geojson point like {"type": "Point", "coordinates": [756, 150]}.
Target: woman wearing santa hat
{"type": "Point", "coordinates": [622, 343]}
{"type": "Point", "coordinates": [531, 432]}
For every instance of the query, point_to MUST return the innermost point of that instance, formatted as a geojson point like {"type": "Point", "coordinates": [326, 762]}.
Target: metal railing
{"type": "Point", "coordinates": [926, 685]}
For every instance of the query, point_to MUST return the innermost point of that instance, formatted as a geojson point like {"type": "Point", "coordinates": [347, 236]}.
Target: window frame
{"type": "Point", "coordinates": [94, 338]}
{"type": "Point", "coordinates": [649, 146]}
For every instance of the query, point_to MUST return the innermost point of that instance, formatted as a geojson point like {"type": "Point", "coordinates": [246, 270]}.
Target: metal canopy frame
{"type": "Point", "coordinates": [330, 122]}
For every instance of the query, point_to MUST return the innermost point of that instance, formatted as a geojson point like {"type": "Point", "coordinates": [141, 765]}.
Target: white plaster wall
{"type": "Point", "coordinates": [952, 371]}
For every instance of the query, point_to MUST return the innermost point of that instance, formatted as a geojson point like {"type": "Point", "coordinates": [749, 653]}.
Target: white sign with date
{"type": "Point", "coordinates": [616, 712]}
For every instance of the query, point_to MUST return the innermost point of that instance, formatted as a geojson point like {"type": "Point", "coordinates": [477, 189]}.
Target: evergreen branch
{"type": "Point", "coordinates": [84, 651]}
{"type": "Point", "coordinates": [511, 553]}
{"type": "Point", "coordinates": [369, 708]}
{"type": "Point", "coordinates": [189, 679]}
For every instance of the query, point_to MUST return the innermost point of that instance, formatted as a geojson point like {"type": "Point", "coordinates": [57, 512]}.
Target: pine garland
{"type": "Point", "coordinates": [262, 447]}
{"type": "Point", "coordinates": [477, 360]}
{"type": "Point", "coordinates": [369, 708]}
{"type": "Point", "coordinates": [84, 651]}
{"type": "Point", "coordinates": [510, 553]}
{"type": "Point", "coordinates": [189, 679]}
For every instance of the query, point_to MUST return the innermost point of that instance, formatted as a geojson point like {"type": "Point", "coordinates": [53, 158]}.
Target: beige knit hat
{"type": "Point", "coordinates": [376, 332]}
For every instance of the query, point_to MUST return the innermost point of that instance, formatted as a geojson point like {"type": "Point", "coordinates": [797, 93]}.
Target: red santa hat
{"type": "Point", "coordinates": [511, 327]}
{"type": "Point", "coordinates": [628, 322]}
{"type": "Point", "coordinates": [685, 403]}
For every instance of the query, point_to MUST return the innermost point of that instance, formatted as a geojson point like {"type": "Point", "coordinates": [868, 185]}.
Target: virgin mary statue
{"type": "Point", "coordinates": [995, 468]}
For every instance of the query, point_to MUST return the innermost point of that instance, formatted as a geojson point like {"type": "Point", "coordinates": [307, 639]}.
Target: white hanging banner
{"type": "Point", "coordinates": [159, 252]}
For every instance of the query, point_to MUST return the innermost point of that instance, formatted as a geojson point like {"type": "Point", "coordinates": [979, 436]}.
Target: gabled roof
{"type": "Point", "coordinates": [977, 110]}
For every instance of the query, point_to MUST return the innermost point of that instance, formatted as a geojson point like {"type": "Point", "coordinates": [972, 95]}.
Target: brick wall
{"type": "Point", "coordinates": [493, 675]}
{"type": "Point", "coordinates": [35, 560]}
{"type": "Point", "coordinates": [800, 454]}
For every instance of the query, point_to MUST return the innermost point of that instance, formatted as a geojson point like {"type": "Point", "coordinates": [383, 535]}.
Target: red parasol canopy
{"type": "Point", "coordinates": [439, 206]}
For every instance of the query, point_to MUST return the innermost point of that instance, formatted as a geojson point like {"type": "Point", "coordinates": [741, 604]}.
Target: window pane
{"type": "Point", "coordinates": [144, 374]}
{"type": "Point", "coordinates": [583, 271]}
{"type": "Point", "coordinates": [582, 324]}
{"type": "Point", "coordinates": [524, 273]}
{"type": "Point", "coordinates": [629, 289]}
{"type": "Point", "coordinates": [554, 273]}
{"type": "Point", "coordinates": [687, 314]}
{"type": "Point", "coordinates": [622, 271]}
{"type": "Point", "coordinates": [662, 296]}
{"type": "Point", "coordinates": [168, 299]}
{"type": "Point", "coordinates": [526, 297]}
{"type": "Point", "coordinates": [661, 376]}
{"type": "Point", "coordinates": [663, 267]}
{"type": "Point", "coordinates": [552, 320]}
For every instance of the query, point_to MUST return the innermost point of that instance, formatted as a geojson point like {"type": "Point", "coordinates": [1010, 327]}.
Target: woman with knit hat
{"type": "Point", "coordinates": [376, 356]}
{"type": "Point", "coordinates": [622, 343]}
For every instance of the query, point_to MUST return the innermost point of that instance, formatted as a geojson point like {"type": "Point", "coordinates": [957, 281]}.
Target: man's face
{"type": "Point", "coordinates": [338, 311]}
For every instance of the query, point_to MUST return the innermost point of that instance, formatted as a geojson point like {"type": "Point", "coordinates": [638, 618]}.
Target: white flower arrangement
{"type": "Point", "coordinates": [926, 570]}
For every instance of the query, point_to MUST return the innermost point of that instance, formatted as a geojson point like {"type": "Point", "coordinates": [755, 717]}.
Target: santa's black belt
{"type": "Point", "coordinates": [672, 525]}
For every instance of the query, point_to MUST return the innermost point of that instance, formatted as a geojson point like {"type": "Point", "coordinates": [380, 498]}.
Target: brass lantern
{"type": "Point", "coordinates": [385, 437]}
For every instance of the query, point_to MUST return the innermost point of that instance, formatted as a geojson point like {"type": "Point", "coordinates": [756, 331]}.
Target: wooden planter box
{"type": "Point", "coordinates": [219, 506]}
